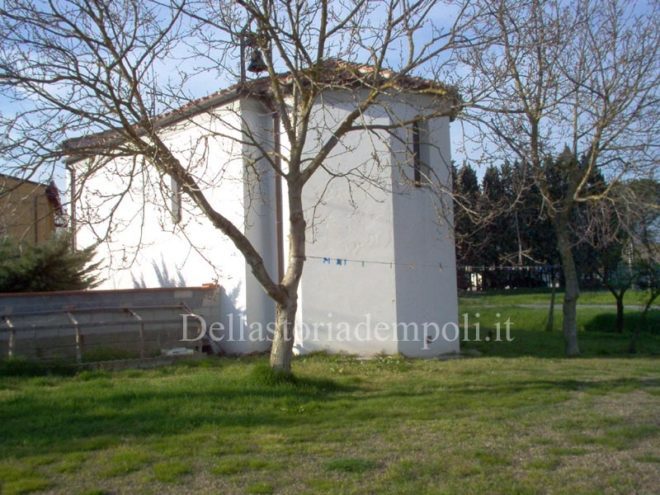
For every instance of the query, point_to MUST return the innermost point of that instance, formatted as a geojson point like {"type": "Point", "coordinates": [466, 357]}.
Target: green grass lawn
{"type": "Point", "coordinates": [521, 419]}
{"type": "Point", "coordinates": [596, 324]}
{"type": "Point", "coordinates": [542, 296]}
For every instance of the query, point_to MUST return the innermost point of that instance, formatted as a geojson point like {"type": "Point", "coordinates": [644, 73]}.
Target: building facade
{"type": "Point", "coordinates": [380, 274]}
{"type": "Point", "coordinates": [29, 211]}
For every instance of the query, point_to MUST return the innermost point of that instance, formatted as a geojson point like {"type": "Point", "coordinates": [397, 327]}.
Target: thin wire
{"type": "Point", "coordinates": [345, 261]}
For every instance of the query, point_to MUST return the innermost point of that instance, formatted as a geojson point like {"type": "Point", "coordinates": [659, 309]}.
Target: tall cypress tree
{"type": "Point", "coordinates": [498, 239]}
{"type": "Point", "coordinates": [466, 215]}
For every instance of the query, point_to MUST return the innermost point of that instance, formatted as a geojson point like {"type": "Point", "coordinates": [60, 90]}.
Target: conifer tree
{"type": "Point", "coordinates": [47, 267]}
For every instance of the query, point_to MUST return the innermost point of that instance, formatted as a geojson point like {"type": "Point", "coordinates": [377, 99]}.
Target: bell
{"type": "Point", "coordinates": [257, 63]}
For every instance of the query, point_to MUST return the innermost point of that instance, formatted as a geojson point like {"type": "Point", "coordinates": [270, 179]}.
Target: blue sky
{"type": "Point", "coordinates": [211, 81]}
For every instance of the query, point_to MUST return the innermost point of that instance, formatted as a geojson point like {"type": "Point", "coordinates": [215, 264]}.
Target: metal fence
{"type": "Point", "coordinates": [479, 278]}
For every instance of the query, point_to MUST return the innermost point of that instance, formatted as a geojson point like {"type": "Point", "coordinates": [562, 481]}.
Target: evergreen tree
{"type": "Point", "coordinates": [595, 232]}
{"type": "Point", "coordinates": [536, 237]}
{"type": "Point", "coordinates": [498, 239]}
{"type": "Point", "coordinates": [47, 267]}
{"type": "Point", "coordinates": [466, 215]}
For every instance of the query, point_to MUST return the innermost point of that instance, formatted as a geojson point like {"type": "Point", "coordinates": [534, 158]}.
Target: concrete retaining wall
{"type": "Point", "coordinates": [103, 324]}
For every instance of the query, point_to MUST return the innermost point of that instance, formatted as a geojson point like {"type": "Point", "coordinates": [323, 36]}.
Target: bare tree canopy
{"type": "Point", "coordinates": [571, 90]}
{"type": "Point", "coordinates": [124, 70]}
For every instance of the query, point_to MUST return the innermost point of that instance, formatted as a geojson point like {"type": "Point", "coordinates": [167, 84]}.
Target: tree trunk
{"type": "Point", "coordinates": [281, 352]}
{"type": "Point", "coordinates": [619, 313]}
{"type": "Point", "coordinates": [571, 292]}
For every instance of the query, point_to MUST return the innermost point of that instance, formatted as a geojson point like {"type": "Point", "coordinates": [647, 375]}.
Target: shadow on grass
{"type": "Point", "coordinates": [541, 344]}
{"type": "Point", "coordinates": [64, 415]}
{"type": "Point", "coordinates": [540, 385]}
{"type": "Point", "coordinates": [100, 410]}
{"type": "Point", "coordinates": [262, 374]}
{"type": "Point", "coordinates": [606, 322]}
{"type": "Point", "coordinates": [487, 400]}
{"type": "Point", "coordinates": [21, 367]}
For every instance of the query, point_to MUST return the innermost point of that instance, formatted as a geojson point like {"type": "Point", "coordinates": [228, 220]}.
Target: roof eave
{"type": "Point", "coordinates": [75, 150]}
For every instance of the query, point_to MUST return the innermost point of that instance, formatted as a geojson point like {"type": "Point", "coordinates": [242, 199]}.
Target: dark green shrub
{"type": "Point", "coordinates": [47, 267]}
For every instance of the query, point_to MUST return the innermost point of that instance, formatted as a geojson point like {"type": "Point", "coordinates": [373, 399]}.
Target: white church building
{"type": "Point", "coordinates": [380, 271]}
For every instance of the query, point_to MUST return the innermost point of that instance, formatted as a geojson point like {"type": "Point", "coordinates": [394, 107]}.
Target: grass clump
{"type": "Point", "coordinates": [171, 471]}
{"type": "Point", "coordinates": [228, 467]}
{"type": "Point", "coordinates": [263, 375]}
{"type": "Point", "coordinates": [260, 489]}
{"type": "Point", "coordinates": [125, 460]}
{"type": "Point", "coordinates": [236, 465]}
{"type": "Point", "coordinates": [25, 485]}
{"type": "Point", "coordinates": [70, 463]}
{"type": "Point", "coordinates": [350, 465]}
{"type": "Point", "coordinates": [16, 479]}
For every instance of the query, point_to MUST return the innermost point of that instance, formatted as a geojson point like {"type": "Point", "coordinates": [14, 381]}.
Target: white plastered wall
{"type": "Point", "coordinates": [427, 302]}
{"type": "Point", "coordinates": [380, 255]}
{"type": "Point", "coordinates": [347, 290]}
{"type": "Point", "coordinates": [140, 245]}
{"type": "Point", "coordinates": [396, 257]}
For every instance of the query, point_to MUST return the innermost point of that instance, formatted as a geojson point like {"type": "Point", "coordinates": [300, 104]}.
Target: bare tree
{"type": "Point", "coordinates": [76, 67]}
{"type": "Point", "coordinates": [575, 81]}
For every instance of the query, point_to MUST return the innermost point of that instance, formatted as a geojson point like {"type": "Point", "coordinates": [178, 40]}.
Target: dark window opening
{"type": "Point", "coordinates": [420, 154]}
{"type": "Point", "coordinates": [417, 154]}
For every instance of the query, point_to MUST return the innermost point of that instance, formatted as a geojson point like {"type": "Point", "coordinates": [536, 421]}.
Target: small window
{"type": "Point", "coordinates": [176, 201]}
{"type": "Point", "coordinates": [420, 154]}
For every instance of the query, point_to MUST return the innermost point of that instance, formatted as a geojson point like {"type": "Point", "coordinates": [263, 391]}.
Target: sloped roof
{"type": "Point", "coordinates": [4, 179]}
{"type": "Point", "coordinates": [332, 74]}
